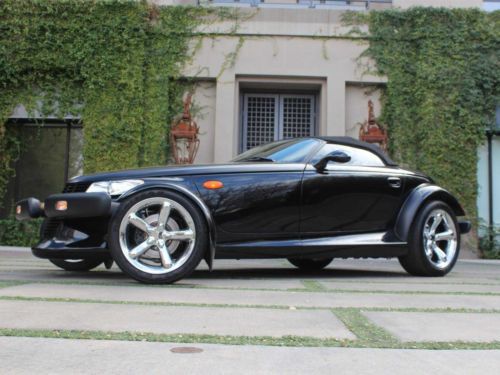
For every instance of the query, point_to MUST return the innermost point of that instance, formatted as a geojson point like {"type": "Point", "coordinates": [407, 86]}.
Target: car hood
{"type": "Point", "coordinates": [188, 170]}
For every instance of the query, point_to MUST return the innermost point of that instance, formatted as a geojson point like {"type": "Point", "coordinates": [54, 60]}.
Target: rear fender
{"type": "Point", "coordinates": [210, 254]}
{"type": "Point", "coordinates": [417, 199]}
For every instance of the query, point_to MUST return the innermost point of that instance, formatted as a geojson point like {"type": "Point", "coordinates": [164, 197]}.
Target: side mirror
{"type": "Point", "coordinates": [336, 156]}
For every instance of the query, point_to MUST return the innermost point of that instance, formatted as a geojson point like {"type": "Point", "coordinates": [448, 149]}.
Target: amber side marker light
{"type": "Point", "coordinates": [211, 185]}
{"type": "Point", "coordinates": [61, 205]}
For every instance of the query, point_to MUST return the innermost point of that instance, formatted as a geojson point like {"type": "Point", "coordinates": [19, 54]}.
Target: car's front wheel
{"type": "Point", "coordinates": [310, 264]}
{"type": "Point", "coordinates": [158, 236]}
{"type": "Point", "coordinates": [76, 264]}
{"type": "Point", "coordinates": [433, 241]}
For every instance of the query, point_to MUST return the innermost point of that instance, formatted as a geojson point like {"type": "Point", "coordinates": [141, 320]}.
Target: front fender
{"type": "Point", "coordinates": [183, 189]}
{"type": "Point", "coordinates": [417, 198]}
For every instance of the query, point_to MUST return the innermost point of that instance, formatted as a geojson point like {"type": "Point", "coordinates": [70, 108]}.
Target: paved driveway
{"type": "Point", "coordinates": [357, 316]}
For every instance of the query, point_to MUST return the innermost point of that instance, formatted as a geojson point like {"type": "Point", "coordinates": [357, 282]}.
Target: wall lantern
{"type": "Point", "coordinates": [373, 132]}
{"type": "Point", "coordinates": [184, 136]}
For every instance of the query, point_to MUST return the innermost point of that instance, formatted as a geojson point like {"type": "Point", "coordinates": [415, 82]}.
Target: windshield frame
{"type": "Point", "coordinates": [262, 152]}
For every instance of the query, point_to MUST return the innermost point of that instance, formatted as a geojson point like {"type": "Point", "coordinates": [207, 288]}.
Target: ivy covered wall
{"type": "Point", "coordinates": [115, 63]}
{"type": "Point", "coordinates": [443, 72]}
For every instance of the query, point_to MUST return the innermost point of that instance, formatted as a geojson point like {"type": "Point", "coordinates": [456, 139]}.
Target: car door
{"type": "Point", "coordinates": [361, 195]}
{"type": "Point", "coordinates": [261, 204]}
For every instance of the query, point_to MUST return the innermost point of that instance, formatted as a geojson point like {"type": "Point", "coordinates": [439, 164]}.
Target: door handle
{"type": "Point", "coordinates": [395, 182]}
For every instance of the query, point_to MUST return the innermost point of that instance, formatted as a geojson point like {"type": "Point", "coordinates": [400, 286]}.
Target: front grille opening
{"type": "Point", "coordinates": [78, 187]}
{"type": "Point", "coordinates": [49, 228]}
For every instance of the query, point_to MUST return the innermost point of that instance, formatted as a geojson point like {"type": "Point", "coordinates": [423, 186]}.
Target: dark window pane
{"type": "Point", "coordinates": [40, 170]}
{"type": "Point", "coordinates": [75, 165]}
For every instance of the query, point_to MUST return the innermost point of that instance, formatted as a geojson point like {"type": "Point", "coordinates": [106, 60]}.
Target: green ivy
{"type": "Point", "coordinates": [19, 233]}
{"type": "Point", "coordinates": [443, 70]}
{"type": "Point", "coordinates": [115, 63]}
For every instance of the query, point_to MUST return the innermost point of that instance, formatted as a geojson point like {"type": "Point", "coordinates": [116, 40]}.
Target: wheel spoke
{"type": "Point", "coordinates": [445, 236]}
{"type": "Point", "coordinates": [440, 253]}
{"type": "Point", "coordinates": [139, 223]}
{"type": "Point", "coordinates": [437, 220]}
{"type": "Point", "coordinates": [181, 235]}
{"type": "Point", "coordinates": [164, 214]}
{"type": "Point", "coordinates": [140, 249]}
{"type": "Point", "coordinates": [428, 249]}
{"type": "Point", "coordinates": [166, 261]}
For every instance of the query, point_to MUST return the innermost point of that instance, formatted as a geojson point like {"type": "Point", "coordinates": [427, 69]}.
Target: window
{"type": "Point", "coordinates": [359, 156]}
{"type": "Point", "coordinates": [291, 151]}
{"type": "Point", "coordinates": [50, 154]}
{"type": "Point", "coordinates": [271, 117]}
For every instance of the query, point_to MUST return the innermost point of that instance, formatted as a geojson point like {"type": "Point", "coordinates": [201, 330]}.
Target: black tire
{"type": "Point", "coordinates": [76, 265]}
{"type": "Point", "coordinates": [416, 262]}
{"type": "Point", "coordinates": [187, 267]}
{"type": "Point", "coordinates": [310, 264]}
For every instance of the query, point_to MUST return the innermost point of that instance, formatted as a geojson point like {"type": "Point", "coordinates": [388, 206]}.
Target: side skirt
{"type": "Point", "coordinates": [368, 245]}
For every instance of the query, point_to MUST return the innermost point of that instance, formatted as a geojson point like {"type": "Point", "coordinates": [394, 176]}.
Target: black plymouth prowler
{"type": "Point", "coordinates": [308, 200]}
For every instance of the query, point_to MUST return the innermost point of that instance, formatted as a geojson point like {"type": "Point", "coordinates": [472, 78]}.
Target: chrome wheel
{"type": "Point", "coordinates": [157, 235]}
{"type": "Point", "coordinates": [440, 238]}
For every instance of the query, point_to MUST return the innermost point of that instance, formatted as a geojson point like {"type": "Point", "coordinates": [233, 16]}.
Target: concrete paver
{"type": "Point", "coordinates": [250, 297]}
{"type": "Point", "coordinates": [425, 326]}
{"type": "Point", "coordinates": [38, 355]}
{"type": "Point", "coordinates": [414, 287]}
{"type": "Point", "coordinates": [171, 319]}
{"type": "Point", "coordinates": [20, 355]}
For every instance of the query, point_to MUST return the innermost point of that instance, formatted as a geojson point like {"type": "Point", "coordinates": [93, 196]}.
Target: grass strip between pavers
{"type": "Point", "coordinates": [310, 286]}
{"type": "Point", "coordinates": [364, 329]}
{"type": "Point", "coordinates": [252, 306]}
{"type": "Point", "coordinates": [288, 341]}
{"type": "Point", "coordinates": [5, 284]}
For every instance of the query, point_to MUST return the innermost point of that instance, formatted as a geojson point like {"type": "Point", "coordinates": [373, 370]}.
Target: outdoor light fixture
{"type": "Point", "coordinates": [184, 136]}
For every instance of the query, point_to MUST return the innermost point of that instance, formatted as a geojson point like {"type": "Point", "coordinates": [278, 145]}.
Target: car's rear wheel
{"type": "Point", "coordinates": [76, 264]}
{"type": "Point", "coordinates": [310, 264]}
{"type": "Point", "coordinates": [433, 241]}
{"type": "Point", "coordinates": [158, 236]}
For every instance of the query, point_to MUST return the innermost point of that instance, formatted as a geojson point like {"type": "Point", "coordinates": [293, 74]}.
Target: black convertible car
{"type": "Point", "coordinates": [308, 200]}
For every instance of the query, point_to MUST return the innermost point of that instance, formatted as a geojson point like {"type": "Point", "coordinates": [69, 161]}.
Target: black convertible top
{"type": "Point", "coordinates": [348, 141]}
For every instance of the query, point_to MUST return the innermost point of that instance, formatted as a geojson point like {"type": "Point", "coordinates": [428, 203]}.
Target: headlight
{"type": "Point", "coordinates": [113, 187]}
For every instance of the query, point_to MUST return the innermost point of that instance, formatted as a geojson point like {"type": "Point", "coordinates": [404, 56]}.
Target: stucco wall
{"type": "Point", "coordinates": [204, 111]}
{"type": "Point", "coordinates": [272, 47]}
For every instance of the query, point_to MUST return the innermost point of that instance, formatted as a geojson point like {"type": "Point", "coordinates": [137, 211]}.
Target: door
{"type": "Point", "coordinates": [272, 117]}
{"type": "Point", "coordinates": [362, 195]}
{"type": "Point", "coordinates": [258, 205]}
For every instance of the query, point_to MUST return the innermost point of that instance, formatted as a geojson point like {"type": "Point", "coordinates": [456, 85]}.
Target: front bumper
{"type": "Point", "coordinates": [75, 225]}
{"type": "Point", "coordinates": [65, 206]}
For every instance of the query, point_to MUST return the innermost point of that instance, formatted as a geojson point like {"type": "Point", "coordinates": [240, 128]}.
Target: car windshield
{"type": "Point", "coordinates": [287, 151]}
